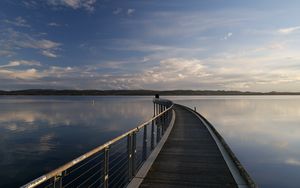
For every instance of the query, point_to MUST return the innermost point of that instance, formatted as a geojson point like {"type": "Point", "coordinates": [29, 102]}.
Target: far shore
{"type": "Point", "coordinates": [48, 92]}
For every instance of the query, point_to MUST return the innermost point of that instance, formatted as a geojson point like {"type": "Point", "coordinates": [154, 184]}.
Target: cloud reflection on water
{"type": "Point", "coordinates": [263, 131]}
{"type": "Point", "coordinates": [41, 133]}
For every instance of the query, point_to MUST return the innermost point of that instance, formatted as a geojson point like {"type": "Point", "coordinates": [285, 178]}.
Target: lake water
{"type": "Point", "coordinates": [38, 134]}
{"type": "Point", "coordinates": [263, 132]}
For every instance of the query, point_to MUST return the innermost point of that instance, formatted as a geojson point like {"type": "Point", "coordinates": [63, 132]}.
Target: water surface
{"type": "Point", "coordinates": [263, 132]}
{"type": "Point", "coordinates": [38, 134]}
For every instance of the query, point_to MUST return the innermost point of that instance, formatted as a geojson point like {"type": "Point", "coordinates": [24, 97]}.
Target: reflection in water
{"type": "Point", "coordinates": [263, 131]}
{"type": "Point", "coordinates": [37, 134]}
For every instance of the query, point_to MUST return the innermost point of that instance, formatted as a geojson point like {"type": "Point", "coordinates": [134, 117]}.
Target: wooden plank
{"type": "Point", "coordinates": [189, 158]}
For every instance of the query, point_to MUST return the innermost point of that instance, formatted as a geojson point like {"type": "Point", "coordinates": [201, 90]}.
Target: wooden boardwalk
{"type": "Point", "coordinates": [189, 158]}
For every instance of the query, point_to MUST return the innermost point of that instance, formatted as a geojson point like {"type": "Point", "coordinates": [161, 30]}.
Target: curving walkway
{"type": "Point", "coordinates": [189, 158]}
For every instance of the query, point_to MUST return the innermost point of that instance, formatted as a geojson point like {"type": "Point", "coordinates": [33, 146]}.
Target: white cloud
{"type": "Point", "coordinates": [60, 71]}
{"type": "Point", "coordinates": [289, 30]}
{"type": "Point", "coordinates": [19, 21]}
{"type": "Point", "coordinates": [14, 40]}
{"type": "Point", "coordinates": [88, 5]}
{"type": "Point", "coordinates": [130, 11]}
{"type": "Point", "coordinates": [170, 73]}
{"type": "Point", "coordinates": [117, 11]}
{"type": "Point", "coordinates": [48, 54]}
{"type": "Point", "coordinates": [20, 62]}
{"type": "Point", "coordinates": [53, 24]}
{"type": "Point", "coordinates": [44, 44]}
{"type": "Point", "coordinates": [15, 71]}
{"type": "Point", "coordinates": [228, 35]}
{"type": "Point", "coordinates": [27, 74]}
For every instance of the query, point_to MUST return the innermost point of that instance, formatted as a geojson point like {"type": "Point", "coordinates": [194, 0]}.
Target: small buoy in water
{"type": "Point", "coordinates": [93, 102]}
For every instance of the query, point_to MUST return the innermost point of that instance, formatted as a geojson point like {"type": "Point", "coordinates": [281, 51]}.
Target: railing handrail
{"type": "Point", "coordinates": [64, 167]}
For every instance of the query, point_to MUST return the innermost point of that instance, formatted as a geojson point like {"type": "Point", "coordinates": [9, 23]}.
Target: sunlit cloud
{"type": "Point", "coordinates": [27, 74]}
{"type": "Point", "coordinates": [20, 62]}
{"type": "Point", "coordinates": [289, 30]}
{"type": "Point", "coordinates": [171, 48]}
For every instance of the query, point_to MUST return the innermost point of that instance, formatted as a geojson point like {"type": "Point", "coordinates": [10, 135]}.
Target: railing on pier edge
{"type": "Point", "coordinates": [116, 162]}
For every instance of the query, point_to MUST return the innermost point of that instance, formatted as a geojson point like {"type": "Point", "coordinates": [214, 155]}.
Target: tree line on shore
{"type": "Point", "coordinates": [138, 92]}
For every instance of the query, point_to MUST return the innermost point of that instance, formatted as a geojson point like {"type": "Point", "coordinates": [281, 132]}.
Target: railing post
{"type": "Point", "coordinates": [169, 116]}
{"type": "Point", "coordinates": [163, 120]}
{"type": "Point", "coordinates": [160, 119]}
{"type": "Point", "coordinates": [129, 152]}
{"type": "Point", "coordinates": [106, 167]}
{"type": "Point", "coordinates": [157, 133]}
{"type": "Point", "coordinates": [133, 153]}
{"type": "Point", "coordinates": [152, 135]}
{"type": "Point", "coordinates": [145, 143]}
{"type": "Point", "coordinates": [166, 117]}
{"type": "Point", "coordinates": [57, 181]}
{"type": "Point", "coordinates": [131, 148]}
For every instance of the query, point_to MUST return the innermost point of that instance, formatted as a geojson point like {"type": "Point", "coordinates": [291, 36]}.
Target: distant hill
{"type": "Point", "coordinates": [138, 92]}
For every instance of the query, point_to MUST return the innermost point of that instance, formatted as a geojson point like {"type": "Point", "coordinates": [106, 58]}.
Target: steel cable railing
{"type": "Point", "coordinates": [116, 162]}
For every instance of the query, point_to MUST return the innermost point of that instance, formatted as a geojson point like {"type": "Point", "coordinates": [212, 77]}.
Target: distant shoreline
{"type": "Point", "coordinates": [49, 92]}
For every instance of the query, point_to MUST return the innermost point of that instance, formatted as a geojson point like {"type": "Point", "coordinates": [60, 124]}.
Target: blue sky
{"type": "Point", "coordinates": [108, 44]}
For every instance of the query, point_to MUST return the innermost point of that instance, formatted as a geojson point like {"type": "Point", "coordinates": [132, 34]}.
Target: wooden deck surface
{"type": "Point", "coordinates": [189, 158]}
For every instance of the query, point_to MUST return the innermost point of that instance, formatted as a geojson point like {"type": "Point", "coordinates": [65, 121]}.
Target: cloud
{"type": "Point", "coordinates": [30, 3]}
{"type": "Point", "coordinates": [169, 73]}
{"type": "Point", "coordinates": [19, 21]}
{"type": "Point", "coordinates": [228, 35]}
{"type": "Point", "coordinates": [154, 51]}
{"type": "Point", "coordinates": [9, 70]}
{"type": "Point", "coordinates": [53, 24]}
{"type": "Point", "coordinates": [289, 30]}
{"type": "Point", "coordinates": [88, 5]}
{"type": "Point", "coordinates": [38, 44]}
{"type": "Point", "coordinates": [14, 40]}
{"type": "Point", "coordinates": [174, 72]}
{"type": "Point", "coordinates": [130, 11]}
{"type": "Point", "coordinates": [117, 11]}
{"type": "Point", "coordinates": [49, 54]}
{"type": "Point", "coordinates": [292, 161]}
{"type": "Point", "coordinates": [17, 70]}
{"type": "Point", "coordinates": [188, 24]}
{"type": "Point", "coordinates": [6, 53]}
{"type": "Point", "coordinates": [27, 74]}
{"type": "Point", "coordinates": [19, 63]}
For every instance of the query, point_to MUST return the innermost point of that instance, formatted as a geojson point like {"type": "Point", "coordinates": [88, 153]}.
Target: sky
{"type": "Point", "coordinates": [150, 44]}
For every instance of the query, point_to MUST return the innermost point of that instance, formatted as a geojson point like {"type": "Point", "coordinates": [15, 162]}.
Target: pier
{"type": "Point", "coordinates": [177, 147]}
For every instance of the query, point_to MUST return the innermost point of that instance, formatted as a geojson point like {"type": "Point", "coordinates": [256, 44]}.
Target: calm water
{"type": "Point", "coordinates": [263, 131]}
{"type": "Point", "coordinates": [38, 134]}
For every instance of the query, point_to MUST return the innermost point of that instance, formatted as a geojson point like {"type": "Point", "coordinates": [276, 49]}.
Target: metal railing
{"type": "Point", "coordinates": [116, 162]}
